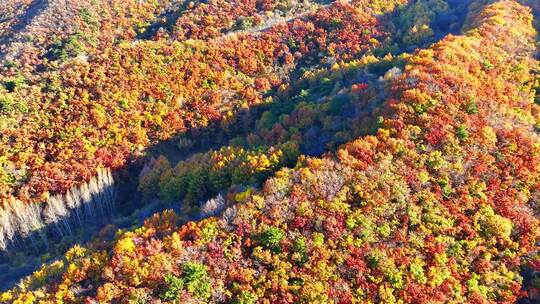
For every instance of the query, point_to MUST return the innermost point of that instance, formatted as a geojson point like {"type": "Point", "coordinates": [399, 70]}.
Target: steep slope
{"type": "Point", "coordinates": [95, 99]}
{"type": "Point", "coordinates": [311, 115]}
{"type": "Point", "coordinates": [440, 205]}
{"type": "Point", "coordinates": [63, 115]}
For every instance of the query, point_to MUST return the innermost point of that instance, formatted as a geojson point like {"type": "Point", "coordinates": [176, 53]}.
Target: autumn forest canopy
{"type": "Point", "coordinates": [257, 151]}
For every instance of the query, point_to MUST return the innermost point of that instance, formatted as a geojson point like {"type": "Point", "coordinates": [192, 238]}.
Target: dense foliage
{"type": "Point", "coordinates": [84, 98]}
{"type": "Point", "coordinates": [89, 99]}
{"type": "Point", "coordinates": [432, 195]}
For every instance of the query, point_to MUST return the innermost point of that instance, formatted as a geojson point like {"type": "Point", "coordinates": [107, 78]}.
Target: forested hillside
{"type": "Point", "coordinates": [269, 151]}
{"type": "Point", "coordinates": [96, 98]}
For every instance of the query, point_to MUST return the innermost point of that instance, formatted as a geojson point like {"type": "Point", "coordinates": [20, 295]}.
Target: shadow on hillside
{"type": "Point", "coordinates": [24, 257]}
{"type": "Point", "coordinates": [34, 8]}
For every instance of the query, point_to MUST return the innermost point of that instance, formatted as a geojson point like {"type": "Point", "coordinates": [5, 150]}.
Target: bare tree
{"type": "Point", "coordinates": [28, 220]}
{"type": "Point", "coordinates": [228, 218]}
{"type": "Point", "coordinates": [73, 201]}
{"type": "Point", "coordinates": [95, 192]}
{"type": "Point", "coordinates": [55, 212]}
{"type": "Point", "coordinates": [213, 207]}
{"type": "Point", "coordinates": [6, 228]}
{"type": "Point", "coordinates": [104, 191]}
{"type": "Point", "coordinates": [85, 201]}
{"type": "Point", "coordinates": [109, 190]}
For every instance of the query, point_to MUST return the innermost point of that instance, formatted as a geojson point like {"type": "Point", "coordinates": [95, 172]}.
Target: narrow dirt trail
{"type": "Point", "coordinates": [258, 30]}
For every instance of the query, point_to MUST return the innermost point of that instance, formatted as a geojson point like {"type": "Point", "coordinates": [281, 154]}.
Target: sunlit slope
{"type": "Point", "coordinates": [90, 98]}
{"type": "Point", "coordinates": [440, 205]}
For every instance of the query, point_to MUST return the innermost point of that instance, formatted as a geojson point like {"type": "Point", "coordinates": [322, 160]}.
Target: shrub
{"type": "Point", "coordinates": [245, 297]}
{"type": "Point", "coordinates": [65, 49]}
{"type": "Point", "coordinates": [12, 84]}
{"type": "Point", "coordinates": [6, 104]}
{"type": "Point", "coordinates": [175, 286]}
{"type": "Point", "coordinates": [271, 238]}
{"type": "Point", "coordinates": [462, 132]}
{"type": "Point", "coordinates": [194, 279]}
{"type": "Point", "coordinates": [300, 251]}
{"type": "Point", "coordinates": [195, 276]}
